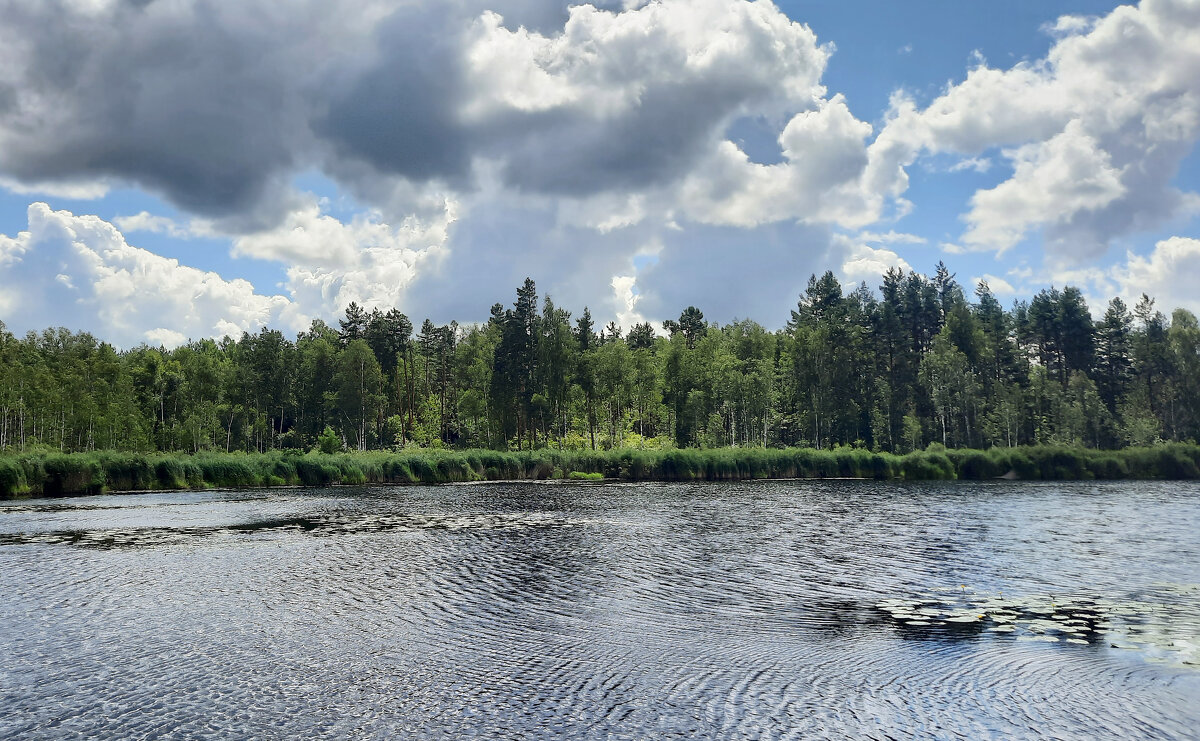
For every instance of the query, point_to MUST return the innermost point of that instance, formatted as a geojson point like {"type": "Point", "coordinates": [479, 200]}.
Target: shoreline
{"type": "Point", "coordinates": [49, 474]}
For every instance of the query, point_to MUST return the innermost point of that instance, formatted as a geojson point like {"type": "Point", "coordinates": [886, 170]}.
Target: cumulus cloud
{"type": "Point", "coordinates": [603, 213]}
{"type": "Point", "coordinates": [1068, 25]}
{"type": "Point", "coordinates": [820, 179]}
{"type": "Point", "coordinates": [626, 298]}
{"type": "Point", "coordinates": [553, 137]}
{"type": "Point", "coordinates": [1167, 274]}
{"type": "Point", "coordinates": [491, 139]}
{"type": "Point", "coordinates": [194, 100]}
{"type": "Point", "coordinates": [862, 262]}
{"type": "Point", "coordinates": [310, 238]}
{"type": "Point", "coordinates": [1065, 177]}
{"type": "Point", "coordinates": [1115, 102]}
{"type": "Point", "coordinates": [633, 99]}
{"type": "Point", "coordinates": [217, 105]}
{"type": "Point", "coordinates": [998, 286]}
{"type": "Point", "coordinates": [79, 272]}
{"type": "Point", "coordinates": [569, 256]}
{"type": "Point", "coordinates": [144, 221]}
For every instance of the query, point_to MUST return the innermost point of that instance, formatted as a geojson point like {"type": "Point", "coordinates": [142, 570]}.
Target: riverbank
{"type": "Point", "coordinates": [54, 474]}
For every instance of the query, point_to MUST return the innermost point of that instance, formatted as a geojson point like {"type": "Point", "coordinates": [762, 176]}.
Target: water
{"type": "Point", "coordinates": [756, 610]}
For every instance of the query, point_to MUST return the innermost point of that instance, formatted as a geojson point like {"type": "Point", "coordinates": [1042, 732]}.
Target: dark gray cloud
{"type": "Point", "coordinates": [402, 113]}
{"type": "Point", "coordinates": [192, 103]}
{"type": "Point", "coordinates": [576, 154]}
{"type": "Point", "coordinates": [399, 113]}
{"type": "Point", "coordinates": [527, 130]}
{"type": "Point", "coordinates": [217, 105]}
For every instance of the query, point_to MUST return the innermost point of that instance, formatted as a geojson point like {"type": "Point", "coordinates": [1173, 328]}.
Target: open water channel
{"type": "Point", "coordinates": [784, 609]}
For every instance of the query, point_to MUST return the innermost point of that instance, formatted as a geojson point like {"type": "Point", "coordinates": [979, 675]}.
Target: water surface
{"type": "Point", "coordinates": [754, 610]}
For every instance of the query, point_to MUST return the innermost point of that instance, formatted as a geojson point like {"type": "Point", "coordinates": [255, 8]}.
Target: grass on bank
{"type": "Point", "coordinates": [57, 474]}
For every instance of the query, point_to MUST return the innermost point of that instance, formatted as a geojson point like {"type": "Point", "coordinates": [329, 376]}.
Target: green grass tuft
{"type": "Point", "coordinates": [48, 473]}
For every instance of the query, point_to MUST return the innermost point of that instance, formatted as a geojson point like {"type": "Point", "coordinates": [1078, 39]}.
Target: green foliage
{"type": "Point", "coordinates": [927, 466]}
{"type": "Point", "coordinates": [13, 482]}
{"type": "Point", "coordinates": [55, 474]}
{"type": "Point", "coordinates": [887, 372]}
{"type": "Point", "coordinates": [329, 441]}
{"type": "Point", "coordinates": [68, 474]}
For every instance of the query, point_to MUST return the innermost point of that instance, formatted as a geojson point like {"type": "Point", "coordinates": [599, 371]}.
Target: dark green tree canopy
{"type": "Point", "coordinates": [895, 369]}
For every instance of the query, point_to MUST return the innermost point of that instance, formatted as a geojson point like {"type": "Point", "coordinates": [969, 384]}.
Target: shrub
{"type": "Point", "coordinates": [328, 442]}
{"type": "Point", "coordinates": [12, 479]}
{"type": "Point", "coordinates": [55, 474]}
{"type": "Point", "coordinates": [68, 475]}
{"type": "Point", "coordinates": [170, 474]}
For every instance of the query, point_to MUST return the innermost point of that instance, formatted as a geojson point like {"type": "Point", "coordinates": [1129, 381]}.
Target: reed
{"type": "Point", "coordinates": [48, 473]}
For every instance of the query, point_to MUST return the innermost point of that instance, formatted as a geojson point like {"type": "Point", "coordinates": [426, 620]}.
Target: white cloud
{"type": "Point", "coordinates": [79, 272]}
{"type": "Point", "coordinates": [999, 286]}
{"type": "Point", "coordinates": [640, 99]}
{"type": "Point", "coordinates": [332, 263]}
{"type": "Point", "coordinates": [626, 299]}
{"type": "Point", "coordinates": [165, 337]}
{"type": "Point", "coordinates": [311, 238]}
{"type": "Point", "coordinates": [1069, 25]}
{"type": "Point", "coordinates": [603, 63]}
{"type": "Point", "coordinates": [1054, 180]}
{"type": "Point", "coordinates": [1115, 102]}
{"type": "Point", "coordinates": [603, 213]}
{"type": "Point", "coordinates": [820, 179]}
{"type": "Point", "coordinates": [82, 190]}
{"type": "Point", "coordinates": [555, 148]}
{"type": "Point", "coordinates": [865, 263]}
{"type": "Point", "coordinates": [1168, 274]}
{"type": "Point", "coordinates": [890, 237]}
{"type": "Point", "coordinates": [1021, 272]}
{"type": "Point", "coordinates": [144, 221]}
{"type": "Point", "coordinates": [611, 122]}
{"type": "Point", "coordinates": [977, 164]}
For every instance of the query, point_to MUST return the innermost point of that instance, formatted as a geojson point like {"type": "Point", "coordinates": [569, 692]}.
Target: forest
{"type": "Point", "coordinates": [918, 361]}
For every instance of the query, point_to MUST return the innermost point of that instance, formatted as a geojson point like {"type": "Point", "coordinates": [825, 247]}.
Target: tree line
{"type": "Point", "coordinates": [915, 363]}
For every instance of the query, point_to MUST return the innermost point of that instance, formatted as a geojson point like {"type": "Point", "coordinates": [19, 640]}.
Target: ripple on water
{"type": "Point", "coordinates": [761, 610]}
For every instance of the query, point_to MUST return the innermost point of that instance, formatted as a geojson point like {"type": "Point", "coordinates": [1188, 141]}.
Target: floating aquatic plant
{"type": "Point", "coordinates": [1162, 622]}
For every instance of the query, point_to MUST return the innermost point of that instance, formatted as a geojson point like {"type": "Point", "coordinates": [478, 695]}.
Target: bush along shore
{"type": "Point", "coordinates": [53, 474]}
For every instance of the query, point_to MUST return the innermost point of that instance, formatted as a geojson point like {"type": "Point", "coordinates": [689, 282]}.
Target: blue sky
{"type": "Point", "coordinates": [635, 157]}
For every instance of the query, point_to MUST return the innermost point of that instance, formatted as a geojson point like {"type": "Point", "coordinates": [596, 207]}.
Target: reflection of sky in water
{"type": "Point", "coordinates": [818, 609]}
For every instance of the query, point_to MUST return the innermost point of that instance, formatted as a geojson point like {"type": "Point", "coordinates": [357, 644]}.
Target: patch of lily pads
{"type": "Point", "coordinates": [1162, 622]}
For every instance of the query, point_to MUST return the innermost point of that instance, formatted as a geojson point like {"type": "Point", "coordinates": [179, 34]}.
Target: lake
{"type": "Point", "coordinates": [770, 609]}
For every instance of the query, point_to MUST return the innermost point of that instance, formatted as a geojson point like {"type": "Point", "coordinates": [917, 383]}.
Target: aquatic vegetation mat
{"type": "Point", "coordinates": [326, 525]}
{"type": "Point", "coordinates": [1162, 623]}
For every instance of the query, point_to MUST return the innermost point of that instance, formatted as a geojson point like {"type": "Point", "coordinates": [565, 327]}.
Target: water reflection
{"type": "Point", "coordinates": [755, 610]}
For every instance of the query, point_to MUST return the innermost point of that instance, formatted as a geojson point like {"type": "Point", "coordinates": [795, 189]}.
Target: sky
{"type": "Point", "coordinates": [175, 169]}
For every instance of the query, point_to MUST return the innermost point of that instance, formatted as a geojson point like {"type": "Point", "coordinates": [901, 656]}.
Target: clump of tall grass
{"type": "Point", "coordinates": [14, 481]}
{"type": "Point", "coordinates": [924, 465]}
{"type": "Point", "coordinates": [48, 473]}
